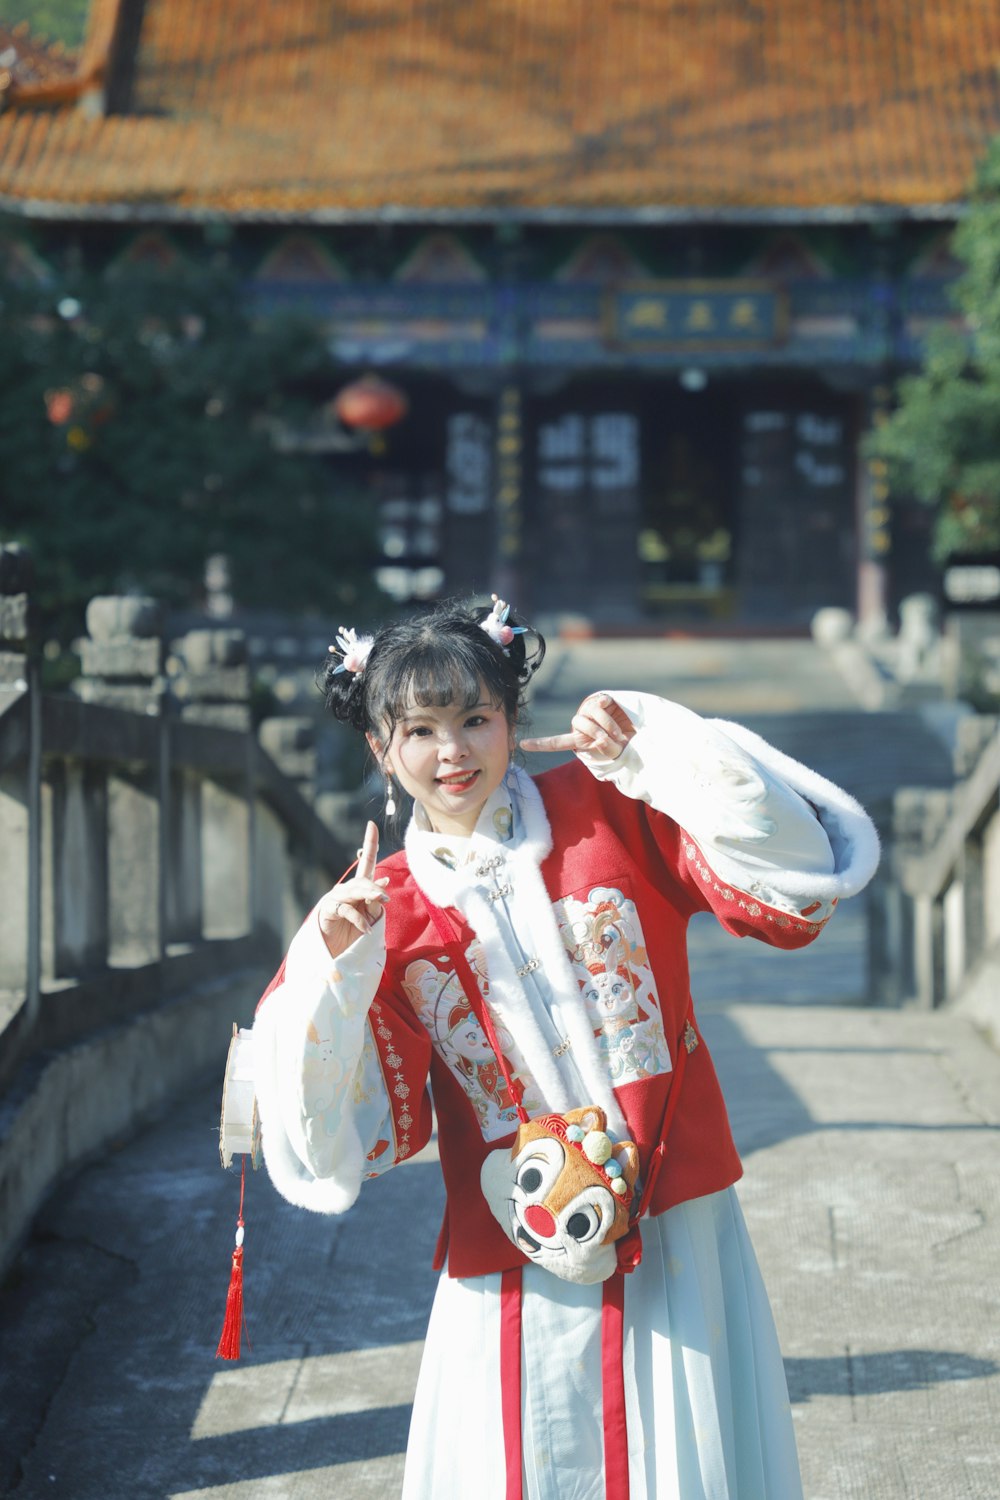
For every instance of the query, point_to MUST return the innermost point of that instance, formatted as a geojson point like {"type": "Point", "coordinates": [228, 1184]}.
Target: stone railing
{"type": "Point", "coordinates": [154, 861]}
{"type": "Point", "coordinates": [945, 881]}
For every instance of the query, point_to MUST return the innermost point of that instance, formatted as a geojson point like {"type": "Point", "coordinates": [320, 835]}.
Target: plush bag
{"type": "Point", "coordinates": [563, 1193]}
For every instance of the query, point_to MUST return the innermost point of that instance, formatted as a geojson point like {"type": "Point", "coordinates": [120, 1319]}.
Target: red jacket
{"type": "Point", "coordinates": [599, 838]}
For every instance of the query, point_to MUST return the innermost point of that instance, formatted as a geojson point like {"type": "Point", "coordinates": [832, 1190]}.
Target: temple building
{"type": "Point", "coordinates": [645, 274]}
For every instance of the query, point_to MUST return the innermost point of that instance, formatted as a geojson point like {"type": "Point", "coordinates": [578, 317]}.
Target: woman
{"type": "Point", "coordinates": [601, 1329]}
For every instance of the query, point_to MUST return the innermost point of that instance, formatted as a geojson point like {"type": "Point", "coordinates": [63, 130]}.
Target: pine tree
{"type": "Point", "coordinates": [942, 443]}
{"type": "Point", "coordinates": [136, 419]}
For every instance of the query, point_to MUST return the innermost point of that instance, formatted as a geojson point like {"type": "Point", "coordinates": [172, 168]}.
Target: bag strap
{"type": "Point", "coordinates": [450, 938]}
{"type": "Point", "coordinates": [686, 1043]}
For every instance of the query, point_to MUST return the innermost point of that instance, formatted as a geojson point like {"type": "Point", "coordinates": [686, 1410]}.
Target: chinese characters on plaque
{"type": "Point", "coordinates": [695, 314]}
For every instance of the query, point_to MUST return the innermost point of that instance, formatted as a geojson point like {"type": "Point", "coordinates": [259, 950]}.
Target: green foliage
{"type": "Point", "coordinates": [56, 20]}
{"type": "Point", "coordinates": [942, 443]}
{"type": "Point", "coordinates": [136, 441]}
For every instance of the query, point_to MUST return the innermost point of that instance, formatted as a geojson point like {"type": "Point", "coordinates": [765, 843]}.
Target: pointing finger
{"type": "Point", "coordinates": [551, 742]}
{"type": "Point", "coordinates": [369, 852]}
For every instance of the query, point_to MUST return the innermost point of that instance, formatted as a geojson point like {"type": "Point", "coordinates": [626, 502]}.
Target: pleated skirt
{"type": "Point", "coordinates": [706, 1399]}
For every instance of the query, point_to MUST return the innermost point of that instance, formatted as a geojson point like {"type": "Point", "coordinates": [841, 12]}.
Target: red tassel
{"type": "Point", "coordinates": [235, 1321]}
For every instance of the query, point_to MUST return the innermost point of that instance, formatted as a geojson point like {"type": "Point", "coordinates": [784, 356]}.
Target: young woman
{"type": "Point", "coordinates": [601, 1328]}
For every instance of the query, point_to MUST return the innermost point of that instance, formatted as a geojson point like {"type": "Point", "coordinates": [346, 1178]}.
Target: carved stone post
{"type": "Point", "coordinates": [291, 744]}
{"type": "Point", "coordinates": [121, 663]}
{"type": "Point", "coordinates": [15, 577]}
{"type": "Point", "coordinates": [75, 915]}
{"type": "Point", "coordinates": [287, 884]}
{"type": "Point", "coordinates": [213, 687]}
{"type": "Point", "coordinates": [19, 831]}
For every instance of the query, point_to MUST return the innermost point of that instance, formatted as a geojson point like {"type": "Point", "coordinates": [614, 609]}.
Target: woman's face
{"type": "Point", "coordinates": [450, 760]}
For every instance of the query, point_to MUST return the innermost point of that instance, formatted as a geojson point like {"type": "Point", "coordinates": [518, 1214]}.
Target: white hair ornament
{"type": "Point", "coordinates": [354, 648]}
{"type": "Point", "coordinates": [497, 627]}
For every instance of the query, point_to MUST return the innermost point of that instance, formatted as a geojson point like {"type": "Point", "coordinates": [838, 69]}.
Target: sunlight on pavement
{"type": "Point", "coordinates": [370, 1477]}
{"type": "Point", "coordinates": [307, 1390]}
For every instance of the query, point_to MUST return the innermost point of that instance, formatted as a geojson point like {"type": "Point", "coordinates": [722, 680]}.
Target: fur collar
{"type": "Point", "coordinates": [532, 836]}
{"type": "Point", "coordinates": [580, 1076]}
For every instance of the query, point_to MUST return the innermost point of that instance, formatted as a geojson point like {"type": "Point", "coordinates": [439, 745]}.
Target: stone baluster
{"type": "Point", "coordinates": [287, 882]}
{"type": "Point", "coordinates": [212, 680]}
{"type": "Point", "coordinates": [972, 735]}
{"type": "Point", "coordinates": [214, 824]}
{"type": "Point", "coordinates": [15, 579]}
{"type": "Point", "coordinates": [18, 795]}
{"type": "Point", "coordinates": [290, 741]}
{"type": "Point", "coordinates": [121, 662]}
{"type": "Point", "coordinates": [75, 929]}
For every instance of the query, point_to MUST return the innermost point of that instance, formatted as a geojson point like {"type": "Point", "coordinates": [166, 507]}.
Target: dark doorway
{"type": "Point", "coordinates": [630, 487]}
{"type": "Point", "coordinates": [796, 529]}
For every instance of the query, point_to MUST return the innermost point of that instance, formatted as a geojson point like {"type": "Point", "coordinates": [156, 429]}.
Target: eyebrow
{"type": "Point", "coordinates": [424, 713]}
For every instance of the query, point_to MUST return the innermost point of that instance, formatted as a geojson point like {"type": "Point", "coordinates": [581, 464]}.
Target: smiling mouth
{"type": "Point", "coordinates": [525, 1242]}
{"type": "Point", "coordinates": [457, 783]}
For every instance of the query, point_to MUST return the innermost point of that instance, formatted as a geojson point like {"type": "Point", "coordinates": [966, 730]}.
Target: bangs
{"type": "Point", "coordinates": [438, 674]}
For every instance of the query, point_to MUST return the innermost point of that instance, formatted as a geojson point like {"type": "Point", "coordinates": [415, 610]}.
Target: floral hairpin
{"type": "Point", "coordinates": [353, 648]}
{"type": "Point", "coordinates": [496, 625]}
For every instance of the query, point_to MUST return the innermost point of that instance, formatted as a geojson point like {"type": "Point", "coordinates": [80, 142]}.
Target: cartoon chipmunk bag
{"type": "Point", "coordinates": [563, 1193]}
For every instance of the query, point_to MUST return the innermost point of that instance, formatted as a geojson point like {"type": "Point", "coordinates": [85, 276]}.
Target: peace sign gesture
{"type": "Point", "coordinates": [600, 729]}
{"type": "Point", "coordinates": [354, 906]}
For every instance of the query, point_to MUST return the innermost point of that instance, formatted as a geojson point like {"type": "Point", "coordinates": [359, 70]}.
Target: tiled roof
{"type": "Point", "coordinates": [310, 108]}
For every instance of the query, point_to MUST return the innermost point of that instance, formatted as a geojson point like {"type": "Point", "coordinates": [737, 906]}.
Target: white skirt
{"type": "Point", "coordinates": [707, 1404]}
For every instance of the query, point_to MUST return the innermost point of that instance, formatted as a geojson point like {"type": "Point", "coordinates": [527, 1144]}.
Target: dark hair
{"type": "Point", "coordinates": [436, 658]}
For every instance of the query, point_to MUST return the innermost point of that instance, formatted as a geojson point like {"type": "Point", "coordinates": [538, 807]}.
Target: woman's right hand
{"type": "Point", "coordinates": [354, 906]}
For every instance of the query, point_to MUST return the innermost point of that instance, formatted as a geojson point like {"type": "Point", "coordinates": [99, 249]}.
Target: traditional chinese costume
{"type": "Point", "coordinates": [567, 909]}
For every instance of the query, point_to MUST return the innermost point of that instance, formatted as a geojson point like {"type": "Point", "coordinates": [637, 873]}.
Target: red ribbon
{"type": "Point", "coordinates": [510, 1376]}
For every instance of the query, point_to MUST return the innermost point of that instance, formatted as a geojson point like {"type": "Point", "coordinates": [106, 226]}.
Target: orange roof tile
{"type": "Point", "coordinates": [308, 109]}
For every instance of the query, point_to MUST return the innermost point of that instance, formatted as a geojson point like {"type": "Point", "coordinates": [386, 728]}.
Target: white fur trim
{"type": "Point", "coordinates": [280, 1109]}
{"type": "Point", "coordinates": [508, 1000]}
{"type": "Point", "coordinates": [744, 803]}
{"type": "Point", "coordinates": [561, 1080]}
{"type": "Point", "coordinates": [568, 1005]}
{"type": "Point", "coordinates": [344, 988]}
{"type": "Point", "coordinates": [852, 834]}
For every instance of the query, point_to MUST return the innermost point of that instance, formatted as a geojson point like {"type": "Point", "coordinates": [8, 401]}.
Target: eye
{"type": "Point", "coordinates": [584, 1223]}
{"type": "Point", "coordinates": [588, 1215]}
{"type": "Point", "coordinates": [474, 721]}
{"type": "Point", "coordinates": [537, 1168]}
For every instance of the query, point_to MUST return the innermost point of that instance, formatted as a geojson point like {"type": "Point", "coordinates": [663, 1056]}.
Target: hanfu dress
{"type": "Point", "coordinates": [568, 906]}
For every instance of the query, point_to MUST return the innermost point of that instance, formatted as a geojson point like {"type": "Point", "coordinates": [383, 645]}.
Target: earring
{"type": "Point", "coordinates": [390, 799]}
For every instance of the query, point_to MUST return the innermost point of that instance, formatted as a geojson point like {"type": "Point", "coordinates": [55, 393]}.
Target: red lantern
{"type": "Point", "coordinates": [59, 407]}
{"type": "Point", "coordinates": [370, 404]}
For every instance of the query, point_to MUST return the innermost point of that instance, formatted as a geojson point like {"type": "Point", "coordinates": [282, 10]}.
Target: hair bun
{"type": "Point", "coordinates": [342, 693]}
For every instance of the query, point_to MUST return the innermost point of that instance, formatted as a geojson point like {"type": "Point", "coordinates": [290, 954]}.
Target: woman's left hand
{"type": "Point", "coordinates": [600, 730]}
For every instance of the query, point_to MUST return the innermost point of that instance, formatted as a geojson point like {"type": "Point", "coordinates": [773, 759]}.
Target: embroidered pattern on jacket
{"type": "Point", "coordinates": [396, 1085]}
{"type": "Point", "coordinates": [743, 900]}
{"type": "Point", "coordinates": [607, 951]}
{"type": "Point", "coordinates": [434, 991]}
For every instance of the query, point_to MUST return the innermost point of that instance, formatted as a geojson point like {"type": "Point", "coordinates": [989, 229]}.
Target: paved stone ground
{"type": "Point", "coordinates": [872, 1189]}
